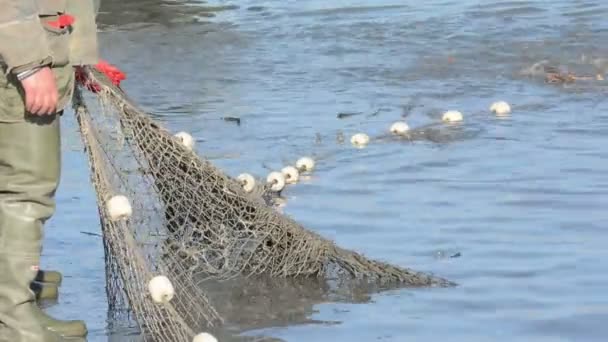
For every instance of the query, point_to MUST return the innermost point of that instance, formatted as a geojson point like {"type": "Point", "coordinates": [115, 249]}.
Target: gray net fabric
{"type": "Point", "coordinates": [193, 223]}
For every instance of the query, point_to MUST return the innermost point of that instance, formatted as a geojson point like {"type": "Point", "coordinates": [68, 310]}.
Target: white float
{"type": "Point", "coordinates": [305, 164]}
{"type": "Point", "coordinates": [452, 116]}
{"type": "Point", "coordinates": [276, 181]}
{"type": "Point", "coordinates": [161, 289]}
{"type": "Point", "coordinates": [359, 140]}
{"type": "Point", "coordinates": [204, 337]}
{"type": "Point", "coordinates": [291, 174]}
{"type": "Point", "coordinates": [399, 128]}
{"type": "Point", "coordinates": [247, 181]}
{"type": "Point", "coordinates": [186, 139]}
{"type": "Point", "coordinates": [118, 208]}
{"type": "Point", "coordinates": [500, 108]}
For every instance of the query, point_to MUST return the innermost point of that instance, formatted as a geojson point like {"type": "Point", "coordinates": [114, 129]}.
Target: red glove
{"type": "Point", "coordinates": [112, 73]}
{"type": "Point", "coordinates": [62, 21]}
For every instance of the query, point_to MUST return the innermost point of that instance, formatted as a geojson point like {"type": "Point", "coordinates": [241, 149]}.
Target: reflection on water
{"type": "Point", "coordinates": [259, 303]}
{"type": "Point", "coordinates": [520, 198]}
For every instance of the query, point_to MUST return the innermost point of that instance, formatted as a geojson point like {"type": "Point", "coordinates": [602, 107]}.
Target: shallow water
{"type": "Point", "coordinates": [521, 198]}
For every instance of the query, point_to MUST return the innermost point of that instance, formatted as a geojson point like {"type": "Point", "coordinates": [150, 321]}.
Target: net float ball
{"type": "Point", "coordinates": [500, 108]}
{"type": "Point", "coordinates": [359, 140]}
{"type": "Point", "coordinates": [452, 116]}
{"type": "Point", "coordinates": [247, 181]}
{"type": "Point", "coordinates": [399, 128]}
{"type": "Point", "coordinates": [161, 289]}
{"type": "Point", "coordinates": [305, 164]}
{"type": "Point", "coordinates": [291, 174]}
{"type": "Point", "coordinates": [118, 208]}
{"type": "Point", "coordinates": [186, 139]}
{"type": "Point", "coordinates": [204, 337]}
{"type": "Point", "coordinates": [276, 181]}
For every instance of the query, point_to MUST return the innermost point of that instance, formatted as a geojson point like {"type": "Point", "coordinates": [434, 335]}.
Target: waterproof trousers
{"type": "Point", "coordinates": [29, 177]}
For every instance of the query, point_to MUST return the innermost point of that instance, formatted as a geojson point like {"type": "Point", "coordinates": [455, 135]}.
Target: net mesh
{"type": "Point", "coordinates": [132, 250]}
{"type": "Point", "coordinates": [193, 223]}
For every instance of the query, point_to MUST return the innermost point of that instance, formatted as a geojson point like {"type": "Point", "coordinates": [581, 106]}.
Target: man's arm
{"type": "Point", "coordinates": [23, 43]}
{"type": "Point", "coordinates": [25, 52]}
{"type": "Point", "coordinates": [84, 46]}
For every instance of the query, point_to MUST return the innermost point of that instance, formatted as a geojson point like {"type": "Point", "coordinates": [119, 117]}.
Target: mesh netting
{"type": "Point", "coordinates": [134, 254]}
{"type": "Point", "coordinates": [193, 223]}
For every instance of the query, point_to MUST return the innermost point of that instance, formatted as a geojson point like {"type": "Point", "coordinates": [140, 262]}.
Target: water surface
{"type": "Point", "coordinates": [521, 198]}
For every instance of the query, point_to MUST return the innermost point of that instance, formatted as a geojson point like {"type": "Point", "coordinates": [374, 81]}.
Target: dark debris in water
{"type": "Point", "coordinates": [90, 234]}
{"type": "Point", "coordinates": [256, 8]}
{"type": "Point", "coordinates": [500, 138]}
{"type": "Point", "coordinates": [569, 77]}
{"type": "Point", "coordinates": [445, 255]}
{"type": "Point", "coordinates": [218, 8]}
{"type": "Point", "coordinates": [344, 115]}
{"type": "Point", "coordinates": [559, 74]}
{"type": "Point", "coordinates": [375, 113]}
{"type": "Point", "coordinates": [232, 119]}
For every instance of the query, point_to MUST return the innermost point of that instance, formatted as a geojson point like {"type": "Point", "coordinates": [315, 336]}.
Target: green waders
{"type": "Point", "coordinates": [46, 285]}
{"type": "Point", "coordinates": [29, 176]}
{"type": "Point", "coordinates": [51, 277]}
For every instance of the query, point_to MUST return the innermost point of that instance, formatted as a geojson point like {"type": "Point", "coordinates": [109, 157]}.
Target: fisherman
{"type": "Point", "coordinates": [42, 44]}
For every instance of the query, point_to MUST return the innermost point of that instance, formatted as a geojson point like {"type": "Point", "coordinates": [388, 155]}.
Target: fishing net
{"type": "Point", "coordinates": [133, 255]}
{"type": "Point", "coordinates": [193, 223]}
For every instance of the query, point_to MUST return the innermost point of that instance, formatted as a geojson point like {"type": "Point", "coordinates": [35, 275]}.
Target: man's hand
{"type": "Point", "coordinates": [41, 95]}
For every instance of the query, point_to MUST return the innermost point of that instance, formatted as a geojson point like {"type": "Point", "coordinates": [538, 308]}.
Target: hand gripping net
{"type": "Point", "coordinates": [193, 223]}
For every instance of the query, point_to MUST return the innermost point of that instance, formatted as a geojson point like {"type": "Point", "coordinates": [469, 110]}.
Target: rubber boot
{"type": "Point", "coordinates": [49, 277]}
{"type": "Point", "coordinates": [45, 291]}
{"type": "Point", "coordinates": [6, 335]}
{"type": "Point", "coordinates": [65, 328]}
{"type": "Point", "coordinates": [29, 176]}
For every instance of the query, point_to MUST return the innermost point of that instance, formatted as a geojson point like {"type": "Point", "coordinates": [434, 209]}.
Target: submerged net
{"type": "Point", "coordinates": [193, 223]}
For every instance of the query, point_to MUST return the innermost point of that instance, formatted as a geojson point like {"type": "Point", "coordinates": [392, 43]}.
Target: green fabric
{"type": "Point", "coordinates": [30, 155]}
{"type": "Point", "coordinates": [45, 291]}
{"type": "Point", "coordinates": [49, 7]}
{"type": "Point", "coordinates": [83, 40]}
{"type": "Point", "coordinates": [58, 40]}
{"type": "Point", "coordinates": [54, 277]}
{"type": "Point", "coordinates": [27, 41]}
{"type": "Point", "coordinates": [71, 328]}
{"type": "Point", "coordinates": [12, 98]}
{"type": "Point", "coordinates": [22, 38]}
{"type": "Point", "coordinates": [29, 176]}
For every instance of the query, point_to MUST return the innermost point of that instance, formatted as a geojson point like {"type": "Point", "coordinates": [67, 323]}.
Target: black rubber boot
{"type": "Point", "coordinates": [49, 277]}
{"type": "Point", "coordinates": [45, 291]}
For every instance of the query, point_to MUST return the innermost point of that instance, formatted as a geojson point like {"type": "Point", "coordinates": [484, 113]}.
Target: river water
{"type": "Point", "coordinates": [510, 208]}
